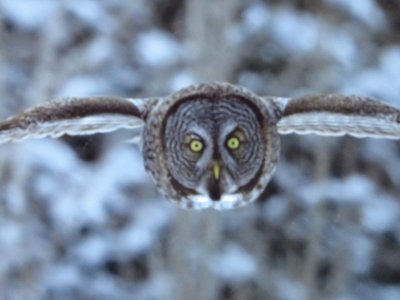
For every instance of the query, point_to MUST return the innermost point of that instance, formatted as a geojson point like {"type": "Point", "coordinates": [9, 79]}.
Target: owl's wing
{"type": "Point", "coordinates": [74, 116]}
{"type": "Point", "coordinates": [336, 115]}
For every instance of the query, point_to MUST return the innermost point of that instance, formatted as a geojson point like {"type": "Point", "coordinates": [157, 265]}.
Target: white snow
{"type": "Point", "coordinates": [161, 214]}
{"type": "Point", "coordinates": [256, 17]}
{"type": "Point", "coordinates": [343, 47]}
{"type": "Point", "coordinates": [276, 209]}
{"type": "Point", "coordinates": [90, 11]}
{"type": "Point", "coordinates": [93, 250]}
{"type": "Point", "coordinates": [290, 289]}
{"type": "Point", "coordinates": [50, 154]}
{"type": "Point", "coordinates": [99, 52]}
{"type": "Point", "coordinates": [181, 80]}
{"type": "Point", "coordinates": [363, 249]}
{"type": "Point", "coordinates": [29, 14]}
{"type": "Point", "coordinates": [378, 81]}
{"type": "Point", "coordinates": [123, 164]}
{"type": "Point", "coordinates": [10, 235]}
{"type": "Point", "coordinates": [134, 240]}
{"type": "Point", "coordinates": [297, 33]}
{"type": "Point", "coordinates": [63, 276]}
{"type": "Point", "coordinates": [82, 85]}
{"type": "Point", "coordinates": [234, 264]}
{"type": "Point", "coordinates": [354, 189]}
{"type": "Point", "coordinates": [157, 48]}
{"type": "Point", "coordinates": [380, 214]}
{"type": "Point", "coordinates": [365, 10]}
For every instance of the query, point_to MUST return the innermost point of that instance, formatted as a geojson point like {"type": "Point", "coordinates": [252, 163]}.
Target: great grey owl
{"type": "Point", "coordinates": [210, 145]}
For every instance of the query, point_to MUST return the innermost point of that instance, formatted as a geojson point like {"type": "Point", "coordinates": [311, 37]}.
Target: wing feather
{"type": "Point", "coordinates": [74, 116]}
{"type": "Point", "coordinates": [337, 115]}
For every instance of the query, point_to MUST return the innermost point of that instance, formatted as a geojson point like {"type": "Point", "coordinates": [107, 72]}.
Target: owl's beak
{"type": "Point", "coordinates": [216, 170]}
{"type": "Point", "coordinates": [213, 185]}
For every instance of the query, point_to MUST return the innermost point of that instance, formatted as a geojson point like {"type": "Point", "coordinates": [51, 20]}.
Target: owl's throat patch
{"type": "Point", "coordinates": [214, 189]}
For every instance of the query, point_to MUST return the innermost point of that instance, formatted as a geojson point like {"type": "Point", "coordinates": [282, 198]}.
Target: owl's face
{"type": "Point", "coordinates": [213, 148]}
{"type": "Point", "coordinates": [218, 149]}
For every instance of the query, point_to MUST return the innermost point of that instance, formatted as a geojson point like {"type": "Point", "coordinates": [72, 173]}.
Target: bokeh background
{"type": "Point", "coordinates": [79, 217]}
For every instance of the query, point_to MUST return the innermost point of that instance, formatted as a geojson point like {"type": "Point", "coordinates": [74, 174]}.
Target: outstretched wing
{"type": "Point", "coordinates": [74, 116]}
{"type": "Point", "coordinates": [336, 115]}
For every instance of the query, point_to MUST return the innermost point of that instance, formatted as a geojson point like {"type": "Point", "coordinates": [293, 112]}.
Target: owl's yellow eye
{"type": "Point", "coordinates": [233, 143]}
{"type": "Point", "coordinates": [196, 146]}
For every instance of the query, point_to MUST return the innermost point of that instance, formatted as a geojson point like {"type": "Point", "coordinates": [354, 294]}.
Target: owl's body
{"type": "Point", "coordinates": [209, 145]}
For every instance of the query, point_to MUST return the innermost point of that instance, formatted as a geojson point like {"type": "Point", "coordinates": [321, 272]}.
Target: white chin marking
{"type": "Point", "coordinates": [227, 201]}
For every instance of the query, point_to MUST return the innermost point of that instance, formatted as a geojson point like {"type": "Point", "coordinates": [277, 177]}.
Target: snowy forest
{"type": "Point", "coordinates": [81, 219]}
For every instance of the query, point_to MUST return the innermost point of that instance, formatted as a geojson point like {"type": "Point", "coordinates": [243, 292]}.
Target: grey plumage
{"type": "Point", "coordinates": [337, 115]}
{"type": "Point", "coordinates": [73, 116]}
{"type": "Point", "coordinates": [213, 144]}
{"type": "Point", "coordinates": [233, 192]}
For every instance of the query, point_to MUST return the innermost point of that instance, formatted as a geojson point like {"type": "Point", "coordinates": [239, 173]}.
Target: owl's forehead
{"type": "Point", "coordinates": [220, 110]}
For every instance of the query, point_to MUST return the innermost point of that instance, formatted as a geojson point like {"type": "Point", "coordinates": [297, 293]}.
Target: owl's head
{"type": "Point", "coordinates": [215, 145]}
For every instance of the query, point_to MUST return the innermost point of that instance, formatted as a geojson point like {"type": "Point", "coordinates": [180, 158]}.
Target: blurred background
{"type": "Point", "coordinates": [80, 218]}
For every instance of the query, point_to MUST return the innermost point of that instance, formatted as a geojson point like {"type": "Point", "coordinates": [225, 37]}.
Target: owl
{"type": "Point", "coordinates": [209, 145]}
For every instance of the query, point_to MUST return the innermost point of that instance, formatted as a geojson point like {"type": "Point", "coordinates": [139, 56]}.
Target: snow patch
{"type": "Point", "coordinates": [158, 49]}
{"type": "Point", "coordinates": [134, 240]}
{"type": "Point", "coordinates": [63, 276]}
{"type": "Point", "coordinates": [381, 214]}
{"type": "Point", "coordinates": [29, 14]}
{"type": "Point", "coordinates": [276, 209]}
{"type": "Point", "coordinates": [297, 33]}
{"type": "Point", "coordinates": [378, 81]}
{"type": "Point", "coordinates": [256, 17]}
{"type": "Point", "coordinates": [88, 10]}
{"type": "Point", "coordinates": [83, 86]}
{"type": "Point", "coordinates": [365, 10]}
{"type": "Point", "coordinates": [362, 253]}
{"type": "Point", "coordinates": [93, 251]}
{"type": "Point", "coordinates": [342, 48]}
{"type": "Point", "coordinates": [234, 264]}
{"type": "Point", "coordinates": [181, 80]}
